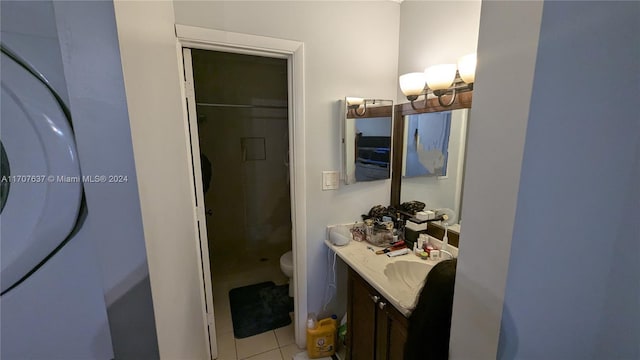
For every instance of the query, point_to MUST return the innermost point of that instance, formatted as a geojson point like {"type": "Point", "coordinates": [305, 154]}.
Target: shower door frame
{"type": "Point", "coordinates": [293, 51]}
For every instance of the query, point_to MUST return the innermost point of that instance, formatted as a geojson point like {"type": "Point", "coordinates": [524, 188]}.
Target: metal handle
{"type": "Point", "coordinates": [375, 298]}
{"type": "Point", "coordinates": [382, 304]}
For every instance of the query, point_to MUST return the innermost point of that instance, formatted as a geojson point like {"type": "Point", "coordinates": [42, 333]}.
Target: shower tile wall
{"type": "Point", "coordinates": [248, 203]}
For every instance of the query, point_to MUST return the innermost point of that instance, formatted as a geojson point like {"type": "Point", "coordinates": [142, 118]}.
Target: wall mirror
{"type": "Point", "coordinates": [429, 154]}
{"type": "Point", "coordinates": [366, 139]}
{"type": "Point", "coordinates": [433, 158]}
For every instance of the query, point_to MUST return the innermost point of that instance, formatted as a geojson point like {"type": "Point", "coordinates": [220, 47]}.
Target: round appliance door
{"type": "Point", "coordinates": [41, 182]}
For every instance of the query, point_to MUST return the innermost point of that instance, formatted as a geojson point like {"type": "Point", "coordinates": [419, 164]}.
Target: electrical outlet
{"type": "Point", "coordinates": [330, 180]}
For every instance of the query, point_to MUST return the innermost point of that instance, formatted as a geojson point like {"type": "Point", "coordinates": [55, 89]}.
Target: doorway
{"type": "Point", "coordinates": [242, 152]}
{"type": "Point", "coordinates": [244, 141]}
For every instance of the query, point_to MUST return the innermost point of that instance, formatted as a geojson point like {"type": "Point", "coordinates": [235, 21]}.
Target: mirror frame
{"type": "Point", "coordinates": [463, 101]}
{"type": "Point", "coordinates": [370, 112]}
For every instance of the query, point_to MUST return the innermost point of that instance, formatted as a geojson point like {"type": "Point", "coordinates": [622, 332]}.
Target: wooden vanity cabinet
{"type": "Point", "coordinates": [375, 329]}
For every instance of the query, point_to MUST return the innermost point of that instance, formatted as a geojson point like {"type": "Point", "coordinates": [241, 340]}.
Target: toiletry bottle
{"type": "Point", "coordinates": [368, 230]}
{"type": "Point", "coordinates": [342, 330]}
{"type": "Point", "coordinates": [399, 227]}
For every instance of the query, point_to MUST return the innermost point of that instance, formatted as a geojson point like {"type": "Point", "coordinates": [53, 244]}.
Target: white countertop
{"type": "Point", "coordinates": [372, 268]}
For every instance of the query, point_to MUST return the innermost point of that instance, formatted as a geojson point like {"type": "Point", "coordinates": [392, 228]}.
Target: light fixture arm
{"type": "Point", "coordinates": [413, 105]}
{"type": "Point", "coordinates": [451, 101]}
{"type": "Point", "coordinates": [364, 109]}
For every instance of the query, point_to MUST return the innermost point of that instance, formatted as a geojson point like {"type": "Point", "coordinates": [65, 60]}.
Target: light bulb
{"type": "Point", "coordinates": [440, 77]}
{"type": "Point", "coordinates": [353, 101]}
{"type": "Point", "coordinates": [467, 68]}
{"type": "Point", "coordinates": [412, 84]}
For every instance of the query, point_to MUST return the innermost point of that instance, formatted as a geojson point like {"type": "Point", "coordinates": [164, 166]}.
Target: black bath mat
{"type": "Point", "coordinates": [259, 308]}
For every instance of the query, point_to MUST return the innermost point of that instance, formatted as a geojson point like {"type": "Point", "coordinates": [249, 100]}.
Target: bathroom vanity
{"type": "Point", "coordinates": [381, 294]}
{"type": "Point", "coordinates": [375, 328]}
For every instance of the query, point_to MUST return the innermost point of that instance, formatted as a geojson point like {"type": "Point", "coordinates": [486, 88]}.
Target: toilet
{"type": "Point", "coordinates": [286, 265]}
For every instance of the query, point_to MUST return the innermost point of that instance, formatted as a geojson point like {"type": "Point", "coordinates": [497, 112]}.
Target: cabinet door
{"type": "Point", "coordinates": [361, 328]}
{"type": "Point", "coordinates": [391, 332]}
{"type": "Point", "coordinates": [397, 326]}
{"type": "Point", "coordinates": [376, 330]}
{"type": "Point", "coordinates": [382, 332]}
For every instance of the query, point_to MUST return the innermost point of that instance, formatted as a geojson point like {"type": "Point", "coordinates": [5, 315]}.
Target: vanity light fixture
{"type": "Point", "coordinates": [412, 85]}
{"type": "Point", "coordinates": [355, 104]}
{"type": "Point", "coordinates": [441, 80]}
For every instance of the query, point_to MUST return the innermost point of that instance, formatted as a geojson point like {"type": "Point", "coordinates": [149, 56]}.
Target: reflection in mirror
{"type": "Point", "coordinates": [367, 139]}
{"type": "Point", "coordinates": [433, 159]}
{"type": "Point", "coordinates": [427, 149]}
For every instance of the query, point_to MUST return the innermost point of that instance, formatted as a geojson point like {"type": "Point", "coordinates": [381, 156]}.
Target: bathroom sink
{"type": "Point", "coordinates": [407, 274]}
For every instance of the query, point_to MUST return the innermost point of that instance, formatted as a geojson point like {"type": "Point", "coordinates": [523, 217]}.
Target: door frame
{"type": "Point", "coordinates": [230, 42]}
{"type": "Point", "coordinates": [199, 205]}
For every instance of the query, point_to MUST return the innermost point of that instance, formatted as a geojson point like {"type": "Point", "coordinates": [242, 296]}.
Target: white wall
{"type": "Point", "coordinates": [571, 291]}
{"type": "Point", "coordinates": [350, 48]}
{"type": "Point", "coordinates": [151, 77]}
{"type": "Point", "coordinates": [494, 155]}
{"type": "Point", "coordinates": [435, 32]}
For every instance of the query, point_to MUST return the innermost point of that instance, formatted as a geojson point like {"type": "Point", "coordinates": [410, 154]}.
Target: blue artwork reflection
{"type": "Point", "coordinates": [427, 140]}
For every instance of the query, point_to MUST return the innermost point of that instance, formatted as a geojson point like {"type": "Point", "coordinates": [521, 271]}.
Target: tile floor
{"type": "Point", "coordinates": [229, 273]}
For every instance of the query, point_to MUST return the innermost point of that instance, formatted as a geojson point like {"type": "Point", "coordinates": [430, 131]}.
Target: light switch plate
{"type": "Point", "coordinates": [330, 180]}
